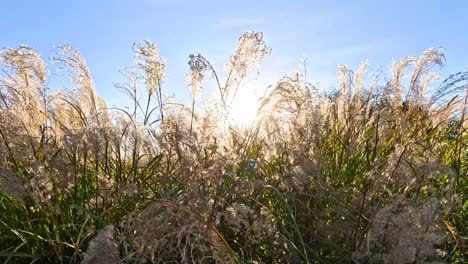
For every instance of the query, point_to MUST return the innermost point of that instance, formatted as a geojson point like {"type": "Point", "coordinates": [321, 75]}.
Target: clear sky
{"type": "Point", "coordinates": [327, 33]}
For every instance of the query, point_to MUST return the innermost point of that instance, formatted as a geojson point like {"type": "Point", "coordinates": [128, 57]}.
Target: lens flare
{"type": "Point", "coordinates": [244, 107]}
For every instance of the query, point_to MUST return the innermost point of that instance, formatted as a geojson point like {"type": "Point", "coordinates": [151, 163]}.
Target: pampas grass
{"type": "Point", "coordinates": [375, 171]}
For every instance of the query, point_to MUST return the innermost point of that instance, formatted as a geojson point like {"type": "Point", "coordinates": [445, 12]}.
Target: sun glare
{"type": "Point", "coordinates": [244, 107]}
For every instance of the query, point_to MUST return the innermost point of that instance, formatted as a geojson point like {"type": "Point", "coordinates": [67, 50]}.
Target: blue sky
{"type": "Point", "coordinates": [327, 33]}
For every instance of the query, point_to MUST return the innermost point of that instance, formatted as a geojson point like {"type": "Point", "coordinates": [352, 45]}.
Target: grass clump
{"type": "Point", "coordinates": [375, 172]}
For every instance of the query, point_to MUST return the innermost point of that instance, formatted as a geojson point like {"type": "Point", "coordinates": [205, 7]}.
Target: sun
{"type": "Point", "coordinates": [244, 107]}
